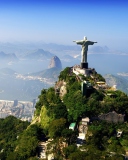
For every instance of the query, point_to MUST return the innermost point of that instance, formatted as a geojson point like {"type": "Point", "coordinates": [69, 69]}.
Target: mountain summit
{"type": "Point", "coordinates": [39, 54]}
{"type": "Point", "coordinates": [55, 62]}
{"type": "Point", "coordinates": [8, 57]}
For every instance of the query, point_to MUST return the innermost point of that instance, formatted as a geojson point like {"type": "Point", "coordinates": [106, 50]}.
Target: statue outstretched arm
{"type": "Point", "coordinates": [79, 42]}
{"type": "Point", "coordinates": [90, 42]}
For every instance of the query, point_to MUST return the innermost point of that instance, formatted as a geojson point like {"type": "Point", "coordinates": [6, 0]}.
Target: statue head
{"type": "Point", "coordinates": [85, 38]}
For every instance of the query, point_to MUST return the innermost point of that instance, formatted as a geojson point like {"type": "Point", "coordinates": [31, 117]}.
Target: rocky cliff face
{"type": "Point", "coordinates": [55, 62]}
{"type": "Point", "coordinates": [60, 88]}
{"type": "Point", "coordinates": [112, 117]}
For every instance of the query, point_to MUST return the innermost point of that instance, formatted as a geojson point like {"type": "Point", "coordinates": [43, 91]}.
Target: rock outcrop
{"type": "Point", "coordinates": [60, 88]}
{"type": "Point", "coordinates": [112, 117]}
{"type": "Point", "coordinates": [55, 62]}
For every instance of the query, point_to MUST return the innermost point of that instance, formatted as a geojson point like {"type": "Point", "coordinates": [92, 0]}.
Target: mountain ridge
{"type": "Point", "coordinates": [8, 57]}
{"type": "Point", "coordinates": [39, 54]}
{"type": "Point", "coordinates": [84, 101]}
{"type": "Point", "coordinates": [120, 82]}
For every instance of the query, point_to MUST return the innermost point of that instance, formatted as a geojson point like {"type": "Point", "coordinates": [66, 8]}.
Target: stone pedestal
{"type": "Point", "coordinates": [84, 65]}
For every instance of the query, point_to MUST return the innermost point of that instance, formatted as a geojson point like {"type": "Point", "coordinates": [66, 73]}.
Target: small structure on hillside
{"type": "Point", "coordinates": [80, 139]}
{"type": "Point", "coordinates": [102, 85]}
{"type": "Point", "coordinates": [119, 133]}
{"type": "Point", "coordinates": [72, 126]}
{"type": "Point", "coordinates": [86, 72]}
{"type": "Point", "coordinates": [85, 120]}
{"type": "Point", "coordinates": [42, 150]}
{"type": "Point", "coordinates": [111, 95]}
{"type": "Point", "coordinates": [83, 127]}
{"type": "Point", "coordinates": [113, 88]}
{"type": "Point", "coordinates": [85, 87]}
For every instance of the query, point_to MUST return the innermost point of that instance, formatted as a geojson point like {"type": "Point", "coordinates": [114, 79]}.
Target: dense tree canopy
{"type": "Point", "coordinates": [58, 113]}
{"type": "Point", "coordinates": [53, 115]}
{"type": "Point", "coordinates": [10, 129]}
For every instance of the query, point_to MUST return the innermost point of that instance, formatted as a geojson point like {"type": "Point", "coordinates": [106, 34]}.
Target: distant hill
{"type": "Point", "coordinates": [67, 58]}
{"type": "Point", "coordinates": [48, 73]}
{"type": "Point", "coordinates": [55, 62]}
{"type": "Point", "coordinates": [120, 82]}
{"type": "Point", "coordinates": [7, 71]}
{"type": "Point", "coordinates": [99, 49]}
{"type": "Point", "coordinates": [53, 70]}
{"type": "Point", "coordinates": [40, 54]}
{"type": "Point", "coordinates": [8, 57]}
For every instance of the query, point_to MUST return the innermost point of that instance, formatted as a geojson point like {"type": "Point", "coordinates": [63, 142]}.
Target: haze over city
{"type": "Point", "coordinates": [61, 22]}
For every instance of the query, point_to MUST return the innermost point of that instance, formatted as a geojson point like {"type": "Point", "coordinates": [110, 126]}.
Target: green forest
{"type": "Point", "coordinates": [53, 115]}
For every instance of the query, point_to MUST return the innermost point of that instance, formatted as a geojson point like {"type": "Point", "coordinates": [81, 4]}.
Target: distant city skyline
{"type": "Point", "coordinates": [62, 21]}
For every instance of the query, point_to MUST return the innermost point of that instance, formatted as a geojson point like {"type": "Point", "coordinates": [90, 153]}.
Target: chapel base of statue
{"type": "Point", "coordinates": [84, 71]}
{"type": "Point", "coordinates": [84, 65]}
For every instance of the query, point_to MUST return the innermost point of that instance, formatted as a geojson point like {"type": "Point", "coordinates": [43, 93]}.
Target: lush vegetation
{"type": "Point", "coordinates": [18, 140]}
{"type": "Point", "coordinates": [10, 129]}
{"type": "Point", "coordinates": [53, 115]}
{"type": "Point", "coordinates": [27, 144]}
{"type": "Point", "coordinates": [57, 113]}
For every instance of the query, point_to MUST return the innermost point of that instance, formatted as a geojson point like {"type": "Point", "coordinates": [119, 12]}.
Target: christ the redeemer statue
{"type": "Point", "coordinates": [84, 44]}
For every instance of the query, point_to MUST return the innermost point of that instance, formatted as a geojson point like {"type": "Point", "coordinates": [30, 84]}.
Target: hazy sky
{"type": "Point", "coordinates": [62, 21]}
